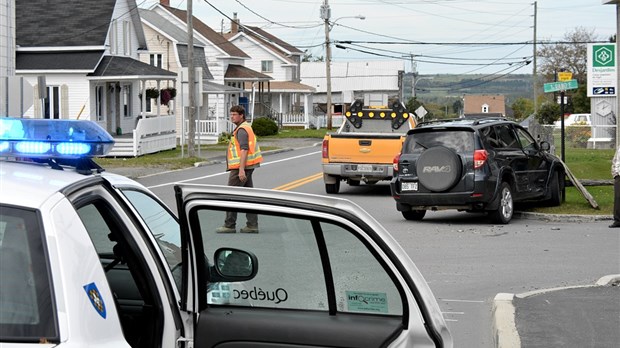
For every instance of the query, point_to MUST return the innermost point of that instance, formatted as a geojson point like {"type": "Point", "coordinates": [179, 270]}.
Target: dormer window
{"type": "Point", "coordinates": [266, 66]}
{"type": "Point", "coordinates": [485, 108]}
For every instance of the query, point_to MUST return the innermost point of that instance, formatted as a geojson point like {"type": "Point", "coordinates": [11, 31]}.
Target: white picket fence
{"type": "Point", "coordinates": [151, 135]}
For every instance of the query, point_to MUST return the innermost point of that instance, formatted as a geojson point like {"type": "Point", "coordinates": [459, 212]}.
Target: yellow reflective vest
{"type": "Point", "coordinates": [233, 156]}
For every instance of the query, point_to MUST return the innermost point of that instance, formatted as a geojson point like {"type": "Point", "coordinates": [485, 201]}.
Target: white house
{"type": "Point", "coordinates": [82, 59]}
{"type": "Point", "coordinates": [270, 55]}
{"type": "Point", "coordinates": [373, 81]}
{"type": "Point", "coordinates": [226, 63]}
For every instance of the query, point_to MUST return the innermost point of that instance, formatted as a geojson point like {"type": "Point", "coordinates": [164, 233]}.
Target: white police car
{"type": "Point", "coordinates": [92, 259]}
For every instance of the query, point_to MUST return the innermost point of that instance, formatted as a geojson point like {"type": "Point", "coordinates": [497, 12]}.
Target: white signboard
{"type": "Point", "coordinates": [602, 70]}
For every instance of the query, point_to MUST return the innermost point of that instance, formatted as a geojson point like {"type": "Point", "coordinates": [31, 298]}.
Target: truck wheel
{"type": "Point", "coordinates": [415, 215]}
{"type": "Point", "coordinates": [439, 168]}
{"type": "Point", "coordinates": [504, 211]}
{"type": "Point", "coordinates": [332, 188]}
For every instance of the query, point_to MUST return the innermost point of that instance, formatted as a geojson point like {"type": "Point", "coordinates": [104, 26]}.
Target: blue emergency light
{"type": "Point", "coordinates": [53, 139]}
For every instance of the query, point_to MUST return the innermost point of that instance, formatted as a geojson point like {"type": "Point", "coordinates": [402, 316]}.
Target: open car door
{"type": "Point", "coordinates": [320, 272]}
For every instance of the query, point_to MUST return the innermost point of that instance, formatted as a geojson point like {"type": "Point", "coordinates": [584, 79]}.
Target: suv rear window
{"type": "Point", "coordinates": [26, 308]}
{"type": "Point", "coordinates": [461, 141]}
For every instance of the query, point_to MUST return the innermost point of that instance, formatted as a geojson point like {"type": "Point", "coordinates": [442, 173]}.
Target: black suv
{"type": "Point", "coordinates": [474, 165]}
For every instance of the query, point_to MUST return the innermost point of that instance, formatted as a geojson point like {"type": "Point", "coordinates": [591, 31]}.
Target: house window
{"type": "Point", "coordinates": [52, 103]}
{"type": "Point", "coordinates": [127, 38]}
{"type": "Point", "coordinates": [266, 66]}
{"type": "Point", "coordinates": [485, 108]}
{"type": "Point", "coordinates": [126, 100]}
{"type": "Point", "coordinates": [99, 103]}
{"type": "Point", "coordinates": [113, 39]}
{"type": "Point", "coordinates": [156, 60]}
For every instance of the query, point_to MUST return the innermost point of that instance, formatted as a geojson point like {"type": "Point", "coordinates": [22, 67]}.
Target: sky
{"type": "Point", "coordinates": [430, 36]}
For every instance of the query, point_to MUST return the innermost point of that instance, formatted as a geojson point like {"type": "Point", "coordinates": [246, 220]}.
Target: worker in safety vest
{"type": "Point", "coordinates": [242, 157]}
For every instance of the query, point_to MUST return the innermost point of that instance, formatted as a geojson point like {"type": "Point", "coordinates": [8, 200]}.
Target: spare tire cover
{"type": "Point", "coordinates": [439, 168]}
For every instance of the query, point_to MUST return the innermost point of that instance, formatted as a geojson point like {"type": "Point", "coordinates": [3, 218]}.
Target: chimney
{"type": "Point", "coordinates": [165, 2]}
{"type": "Point", "coordinates": [234, 24]}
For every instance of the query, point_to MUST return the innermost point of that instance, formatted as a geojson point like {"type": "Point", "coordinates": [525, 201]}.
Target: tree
{"type": "Point", "coordinates": [548, 113]}
{"type": "Point", "coordinates": [413, 104]}
{"type": "Point", "coordinates": [308, 57]}
{"type": "Point", "coordinates": [457, 106]}
{"type": "Point", "coordinates": [571, 56]}
{"type": "Point", "coordinates": [522, 108]}
{"type": "Point", "coordinates": [581, 101]}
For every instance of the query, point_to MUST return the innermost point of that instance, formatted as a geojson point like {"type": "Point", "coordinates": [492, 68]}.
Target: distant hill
{"type": "Point", "coordinates": [435, 88]}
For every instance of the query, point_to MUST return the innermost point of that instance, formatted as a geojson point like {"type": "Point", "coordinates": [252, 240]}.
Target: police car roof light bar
{"type": "Point", "coordinates": [57, 142]}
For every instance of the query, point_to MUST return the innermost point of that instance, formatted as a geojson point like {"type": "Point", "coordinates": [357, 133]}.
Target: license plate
{"type": "Point", "coordinates": [409, 186]}
{"type": "Point", "coordinates": [364, 167]}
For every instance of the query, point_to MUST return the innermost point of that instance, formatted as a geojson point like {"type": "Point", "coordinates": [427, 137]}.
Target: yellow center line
{"type": "Point", "coordinates": [299, 182]}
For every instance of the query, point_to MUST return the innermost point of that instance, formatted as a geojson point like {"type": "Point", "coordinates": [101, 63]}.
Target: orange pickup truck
{"type": "Point", "coordinates": [364, 147]}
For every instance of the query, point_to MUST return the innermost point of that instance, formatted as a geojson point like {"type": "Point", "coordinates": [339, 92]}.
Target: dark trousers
{"type": "Point", "coordinates": [231, 216]}
{"type": "Point", "coordinates": [617, 199]}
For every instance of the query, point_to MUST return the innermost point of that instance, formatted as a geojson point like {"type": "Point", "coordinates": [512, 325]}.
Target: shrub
{"type": "Point", "coordinates": [224, 138]}
{"type": "Point", "coordinates": [578, 134]}
{"type": "Point", "coordinates": [264, 126]}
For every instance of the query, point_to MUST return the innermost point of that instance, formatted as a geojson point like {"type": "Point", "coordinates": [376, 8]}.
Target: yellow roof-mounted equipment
{"type": "Point", "coordinates": [397, 114]}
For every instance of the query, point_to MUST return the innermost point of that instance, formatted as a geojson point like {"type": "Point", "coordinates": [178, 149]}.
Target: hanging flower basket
{"type": "Point", "coordinates": [152, 93]}
{"type": "Point", "coordinates": [167, 95]}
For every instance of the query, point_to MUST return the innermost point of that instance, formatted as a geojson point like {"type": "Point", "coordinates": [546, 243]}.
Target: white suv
{"type": "Point", "coordinates": [91, 259]}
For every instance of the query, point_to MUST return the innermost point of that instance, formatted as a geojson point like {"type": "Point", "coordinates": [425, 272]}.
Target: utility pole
{"type": "Point", "coordinates": [414, 72]}
{"type": "Point", "coordinates": [534, 76]}
{"type": "Point", "coordinates": [191, 78]}
{"type": "Point", "coordinates": [325, 15]}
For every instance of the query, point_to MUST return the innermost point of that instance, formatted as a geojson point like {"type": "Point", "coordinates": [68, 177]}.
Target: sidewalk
{"type": "Point", "coordinates": [579, 316]}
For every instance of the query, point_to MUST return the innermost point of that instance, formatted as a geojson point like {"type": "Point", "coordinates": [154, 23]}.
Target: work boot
{"type": "Point", "coordinates": [249, 229]}
{"type": "Point", "coordinates": [225, 229]}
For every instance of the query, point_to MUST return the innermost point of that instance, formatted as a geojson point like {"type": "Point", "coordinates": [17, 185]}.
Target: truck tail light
{"type": "Point", "coordinates": [325, 151]}
{"type": "Point", "coordinates": [480, 157]}
{"type": "Point", "coordinates": [395, 162]}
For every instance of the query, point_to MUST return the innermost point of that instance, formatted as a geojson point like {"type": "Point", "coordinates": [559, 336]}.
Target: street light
{"type": "Point", "coordinates": [325, 15]}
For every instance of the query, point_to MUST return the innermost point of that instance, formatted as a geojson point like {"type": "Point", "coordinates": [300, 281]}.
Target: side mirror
{"type": "Point", "coordinates": [234, 265]}
{"type": "Point", "coordinates": [545, 146]}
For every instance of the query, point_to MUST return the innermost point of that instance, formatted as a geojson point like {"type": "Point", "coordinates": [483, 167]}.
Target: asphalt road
{"type": "Point", "coordinates": [465, 259]}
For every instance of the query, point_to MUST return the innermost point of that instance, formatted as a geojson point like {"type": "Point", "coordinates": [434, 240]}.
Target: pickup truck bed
{"type": "Point", "coordinates": [364, 147]}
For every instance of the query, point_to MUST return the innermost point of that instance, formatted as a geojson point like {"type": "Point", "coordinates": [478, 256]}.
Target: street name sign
{"type": "Point", "coordinates": [560, 86]}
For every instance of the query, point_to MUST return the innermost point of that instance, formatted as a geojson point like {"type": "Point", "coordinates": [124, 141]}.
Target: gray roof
{"type": "Point", "coordinates": [200, 61]}
{"type": "Point", "coordinates": [206, 31]}
{"type": "Point", "coordinates": [124, 66]}
{"type": "Point", "coordinates": [78, 60]}
{"type": "Point", "coordinates": [165, 26]}
{"type": "Point", "coordinates": [62, 23]}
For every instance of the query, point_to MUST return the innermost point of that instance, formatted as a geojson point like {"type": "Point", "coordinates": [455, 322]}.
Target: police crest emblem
{"type": "Point", "coordinates": [95, 298]}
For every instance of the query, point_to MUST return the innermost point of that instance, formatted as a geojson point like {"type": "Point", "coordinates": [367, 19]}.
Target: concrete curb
{"type": "Point", "coordinates": [561, 217]}
{"type": "Point", "coordinates": [504, 327]}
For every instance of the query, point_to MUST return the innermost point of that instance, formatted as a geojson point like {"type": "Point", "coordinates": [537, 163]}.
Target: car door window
{"type": "Point", "coordinates": [506, 137]}
{"type": "Point", "coordinates": [164, 227]}
{"type": "Point", "coordinates": [527, 142]}
{"type": "Point", "coordinates": [26, 305]}
{"type": "Point", "coordinates": [298, 258]}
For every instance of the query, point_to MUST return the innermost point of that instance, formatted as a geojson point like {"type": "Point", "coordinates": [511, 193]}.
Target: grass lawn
{"type": "Point", "coordinates": [585, 164]}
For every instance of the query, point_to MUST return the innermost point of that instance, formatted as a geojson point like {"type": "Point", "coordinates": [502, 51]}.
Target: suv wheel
{"type": "Point", "coordinates": [439, 168]}
{"type": "Point", "coordinates": [415, 215]}
{"type": "Point", "coordinates": [556, 190]}
{"type": "Point", "coordinates": [504, 211]}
